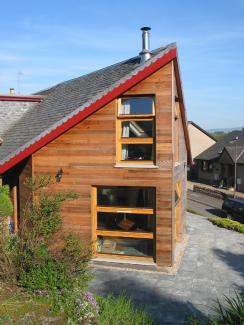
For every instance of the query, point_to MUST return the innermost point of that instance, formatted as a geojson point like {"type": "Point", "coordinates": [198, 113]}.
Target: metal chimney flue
{"type": "Point", "coordinates": [145, 54]}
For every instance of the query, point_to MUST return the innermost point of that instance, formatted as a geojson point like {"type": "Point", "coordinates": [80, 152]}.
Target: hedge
{"type": "Point", "coordinates": [228, 224]}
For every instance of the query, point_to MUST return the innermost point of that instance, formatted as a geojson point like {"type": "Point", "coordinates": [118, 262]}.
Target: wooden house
{"type": "Point", "coordinates": [118, 137]}
{"type": "Point", "coordinates": [200, 139]}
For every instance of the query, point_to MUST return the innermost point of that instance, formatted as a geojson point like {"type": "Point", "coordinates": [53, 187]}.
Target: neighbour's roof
{"type": "Point", "coordinates": [202, 130]}
{"type": "Point", "coordinates": [227, 143]}
{"type": "Point", "coordinates": [12, 108]}
{"type": "Point", "coordinates": [67, 103]}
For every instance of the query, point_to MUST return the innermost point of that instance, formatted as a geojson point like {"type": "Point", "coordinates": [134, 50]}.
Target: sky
{"type": "Point", "coordinates": [46, 42]}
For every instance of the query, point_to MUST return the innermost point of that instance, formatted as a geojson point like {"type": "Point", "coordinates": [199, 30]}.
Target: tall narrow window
{"type": "Point", "coordinates": [124, 221]}
{"type": "Point", "coordinates": [136, 130]}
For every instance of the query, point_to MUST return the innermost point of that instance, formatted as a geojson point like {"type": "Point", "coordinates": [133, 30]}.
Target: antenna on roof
{"type": "Point", "coordinates": [19, 75]}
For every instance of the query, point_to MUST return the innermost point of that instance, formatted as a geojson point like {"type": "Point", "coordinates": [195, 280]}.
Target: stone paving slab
{"type": "Point", "coordinates": [212, 266]}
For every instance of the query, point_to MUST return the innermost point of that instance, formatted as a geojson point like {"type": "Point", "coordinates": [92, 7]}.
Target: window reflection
{"type": "Point", "coordinates": [126, 197]}
{"type": "Point", "coordinates": [125, 246]}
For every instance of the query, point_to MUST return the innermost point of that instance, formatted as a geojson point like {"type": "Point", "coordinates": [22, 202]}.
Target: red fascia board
{"type": "Point", "coordinates": [21, 98]}
{"type": "Point", "coordinates": [111, 95]}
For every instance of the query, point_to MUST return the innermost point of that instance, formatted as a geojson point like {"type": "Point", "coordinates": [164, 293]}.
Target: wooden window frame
{"type": "Point", "coordinates": [146, 140]}
{"type": "Point", "coordinates": [95, 208]}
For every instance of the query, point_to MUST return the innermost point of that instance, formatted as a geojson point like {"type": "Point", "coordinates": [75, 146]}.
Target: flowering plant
{"type": "Point", "coordinates": [84, 309]}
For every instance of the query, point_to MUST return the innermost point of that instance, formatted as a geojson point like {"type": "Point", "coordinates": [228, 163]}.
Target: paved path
{"type": "Point", "coordinates": [213, 265]}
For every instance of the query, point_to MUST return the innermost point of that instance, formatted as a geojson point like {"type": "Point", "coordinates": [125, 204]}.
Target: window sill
{"type": "Point", "coordinates": [148, 166]}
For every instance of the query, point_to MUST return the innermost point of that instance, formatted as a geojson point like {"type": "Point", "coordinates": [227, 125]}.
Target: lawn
{"type": "Point", "coordinates": [19, 307]}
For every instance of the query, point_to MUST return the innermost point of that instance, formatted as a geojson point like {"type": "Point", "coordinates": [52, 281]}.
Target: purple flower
{"type": "Point", "coordinates": [88, 296]}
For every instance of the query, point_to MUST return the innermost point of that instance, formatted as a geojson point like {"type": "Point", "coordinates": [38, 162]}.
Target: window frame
{"type": "Point", "coordinates": [204, 166]}
{"type": "Point", "coordinates": [135, 140]}
{"type": "Point", "coordinates": [95, 208]}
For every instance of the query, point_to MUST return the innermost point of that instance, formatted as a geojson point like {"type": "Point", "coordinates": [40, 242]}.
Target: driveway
{"type": "Point", "coordinates": [204, 205]}
{"type": "Point", "coordinates": [213, 266]}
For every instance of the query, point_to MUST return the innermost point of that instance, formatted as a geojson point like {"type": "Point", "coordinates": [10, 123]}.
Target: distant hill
{"type": "Point", "coordinates": [219, 134]}
{"type": "Point", "coordinates": [225, 130]}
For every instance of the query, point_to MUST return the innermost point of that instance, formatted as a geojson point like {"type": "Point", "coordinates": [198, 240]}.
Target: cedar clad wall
{"type": "Point", "coordinates": [180, 170]}
{"type": "Point", "coordinates": [87, 155]}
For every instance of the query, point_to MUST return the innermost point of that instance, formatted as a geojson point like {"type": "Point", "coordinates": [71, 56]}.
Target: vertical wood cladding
{"type": "Point", "coordinates": [180, 169]}
{"type": "Point", "coordinates": [87, 155]}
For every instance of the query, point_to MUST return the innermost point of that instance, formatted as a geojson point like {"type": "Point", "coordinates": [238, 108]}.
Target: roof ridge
{"type": "Point", "coordinates": [104, 68]}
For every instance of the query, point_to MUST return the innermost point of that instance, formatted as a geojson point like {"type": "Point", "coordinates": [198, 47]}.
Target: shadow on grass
{"type": "Point", "coordinates": [165, 307]}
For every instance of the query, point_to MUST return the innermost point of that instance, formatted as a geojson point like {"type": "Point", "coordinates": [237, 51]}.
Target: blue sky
{"type": "Point", "coordinates": [52, 41]}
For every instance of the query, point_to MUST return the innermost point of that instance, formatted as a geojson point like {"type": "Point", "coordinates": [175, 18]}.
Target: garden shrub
{"type": "Point", "coordinates": [121, 310]}
{"type": "Point", "coordinates": [228, 224]}
{"type": "Point", "coordinates": [54, 265]}
{"type": "Point", "coordinates": [29, 254]}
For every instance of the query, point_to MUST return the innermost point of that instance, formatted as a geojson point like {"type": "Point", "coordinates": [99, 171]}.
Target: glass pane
{"type": "Point", "coordinates": [137, 129]}
{"type": "Point", "coordinates": [126, 197]}
{"type": "Point", "coordinates": [125, 222]}
{"type": "Point", "coordinates": [136, 105]}
{"type": "Point", "coordinates": [125, 246]}
{"type": "Point", "coordinates": [137, 152]}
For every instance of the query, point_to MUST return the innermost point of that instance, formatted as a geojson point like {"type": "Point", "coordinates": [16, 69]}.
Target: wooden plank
{"type": "Point", "coordinates": [125, 210]}
{"type": "Point", "coordinates": [128, 234]}
{"type": "Point", "coordinates": [136, 140]}
{"type": "Point", "coordinates": [126, 257]}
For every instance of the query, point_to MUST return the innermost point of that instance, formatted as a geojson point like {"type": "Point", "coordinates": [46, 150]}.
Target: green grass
{"type": "Point", "coordinates": [121, 310]}
{"type": "Point", "coordinates": [227, 224]}
{"type": "Point", "coordinates": [20, 307]}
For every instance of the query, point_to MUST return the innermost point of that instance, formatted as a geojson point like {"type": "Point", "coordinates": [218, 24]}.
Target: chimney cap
{"type": "Point", "coordinates": [145, 28]}
{"type": "Point", "coordinates": [11, 91]}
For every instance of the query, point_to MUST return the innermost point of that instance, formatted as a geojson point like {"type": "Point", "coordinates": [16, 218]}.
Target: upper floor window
{"type": "Point", "coordinates": [136, 129]}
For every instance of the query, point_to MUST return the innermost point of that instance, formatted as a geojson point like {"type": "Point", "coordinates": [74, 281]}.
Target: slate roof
{"type": "Point", "coordinates": [66, 99]}
{"type": "Point", "coordinates": [227, 142]}
{"type": "Point", "coordinates": [12, 111]}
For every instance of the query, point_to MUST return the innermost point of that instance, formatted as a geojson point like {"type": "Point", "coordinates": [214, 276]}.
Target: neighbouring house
{"type": "Point", "coordinates": [118, 137]}
{"type": "Point", "coordinates": [217, 164]}
{"type": "Point", "coordinates": [200, 140]}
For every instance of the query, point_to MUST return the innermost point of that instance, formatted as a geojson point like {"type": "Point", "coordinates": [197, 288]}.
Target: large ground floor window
{"type": "Point", "coordinates": [124, 221]}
